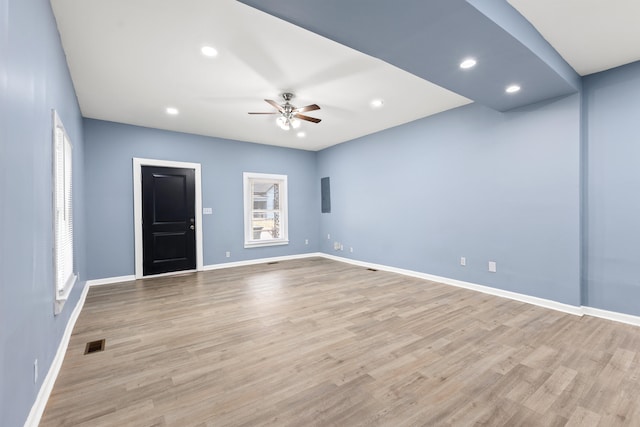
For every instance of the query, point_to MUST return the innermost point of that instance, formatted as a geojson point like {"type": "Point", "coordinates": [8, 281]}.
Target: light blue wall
{"type": "Point", "coordinates": [469, 182]}
{"type": "Point", "coordinates": [613, 189]}
{"type": "Point", "coordinates": [109, 152]}
{"type": "Point", "coordinates": [33, 79]}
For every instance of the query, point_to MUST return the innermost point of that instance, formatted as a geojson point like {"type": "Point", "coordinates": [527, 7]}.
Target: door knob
{"type": "Point", "coordinates": [193, 227]}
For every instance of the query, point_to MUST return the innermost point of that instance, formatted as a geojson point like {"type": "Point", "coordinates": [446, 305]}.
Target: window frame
{"type": "Point", "coordinates": [248, 179]}
{"type": "Point", "coordinates": [62, 213]}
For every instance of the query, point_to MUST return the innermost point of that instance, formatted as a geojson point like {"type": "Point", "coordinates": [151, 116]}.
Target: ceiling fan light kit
{"type": "Point", "coordinates": [287, 123]}
{"type": "Point", "coordinates": [290, 116]}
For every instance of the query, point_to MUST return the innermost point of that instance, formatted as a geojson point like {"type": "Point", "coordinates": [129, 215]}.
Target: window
{"type": "Point", "coordinates": [63, 213]}
{"type": "Point", "coordinates": [265, 210]}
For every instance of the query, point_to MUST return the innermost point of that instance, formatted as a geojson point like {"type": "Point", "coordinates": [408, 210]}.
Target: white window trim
{"type": "Point", "coordinates": [249, 242]}
{"type": "Point", "coordinates": [63, 252]}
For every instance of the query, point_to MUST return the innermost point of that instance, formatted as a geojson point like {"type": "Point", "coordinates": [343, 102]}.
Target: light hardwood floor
{"type": "Point", "coordinates": [315, 342]}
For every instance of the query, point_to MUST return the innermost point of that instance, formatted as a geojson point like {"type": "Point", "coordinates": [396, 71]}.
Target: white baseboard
{"type": "Point", "coordinates": [47, 385]}
{"type": "Point", "coordinates": [612, 315]}
{"type": "Point", "coordinates": [540, 302]}
{"type": "Point", "coordinates": [554, 305]}
{"type": "Point", "coordinates": [260, 261]}
{"type": "Point", "coordinates": [110, 280]}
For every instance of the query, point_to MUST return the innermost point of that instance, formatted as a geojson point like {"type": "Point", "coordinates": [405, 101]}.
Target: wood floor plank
{"type": "Point", "coordinates": [583, 418]}
{"type": "Point", "coordinates": [315, 342]}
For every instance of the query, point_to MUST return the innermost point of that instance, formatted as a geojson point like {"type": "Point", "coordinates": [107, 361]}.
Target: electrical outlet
{"type": "Point", "coordinates": [492, 267]}
{"type": "Point", "coordinates": [228, 254]}
{"type": "Point", "coordinates": [463, 261]}
{"type": "Point", "coordinates": [328, 236]}
{"type": "Point", "coordinates": [306, 241]}
{"type": "Point", "coordinates": [35, 371]}
{"type": "Point", "coordinates": [341, 247]}
{"type": "Point", "coordinates": [351, 250]}
{"type": "Point", "coordinates": [336, 246]}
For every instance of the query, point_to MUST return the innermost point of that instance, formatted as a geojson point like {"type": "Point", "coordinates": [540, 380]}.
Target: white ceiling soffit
{"type": "Point", "coordinates": [129, 60]}
{"type": "Point", "coordinates": [591, 35]}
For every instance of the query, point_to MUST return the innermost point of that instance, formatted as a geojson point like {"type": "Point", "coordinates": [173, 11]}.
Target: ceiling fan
{"type": "Point", "coordinates": [290, 115]}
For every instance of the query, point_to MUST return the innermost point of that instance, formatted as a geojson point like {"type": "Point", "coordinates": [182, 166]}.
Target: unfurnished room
{"type": "Point", "coordinates": [319, 213]}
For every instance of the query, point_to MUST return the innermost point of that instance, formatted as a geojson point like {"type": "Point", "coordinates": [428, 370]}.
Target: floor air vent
{"type": "Point", "coordinates": [272, 262]}
{"type": "Point", "coordinates": [372, 269]}
{"type": "Point", "coordinates": [94, 346]}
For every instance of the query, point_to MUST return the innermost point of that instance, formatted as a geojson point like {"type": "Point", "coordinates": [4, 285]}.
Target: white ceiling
{"type": "Point", "coordinates": [129, 60]}
{"type": "Point", "coordinates": [591, 35]}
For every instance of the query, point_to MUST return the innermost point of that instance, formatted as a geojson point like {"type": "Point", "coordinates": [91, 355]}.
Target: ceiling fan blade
{"type": "Point", "coordinates": [275, 105]}
{"type": "Point", "coordinates": [311, 107]}
{"type": "Point", "coordinates": [265, 113]}
{"type": "Point", "coordinates": [307, 118]}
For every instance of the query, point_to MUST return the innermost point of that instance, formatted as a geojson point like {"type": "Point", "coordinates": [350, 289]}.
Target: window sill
{"type": "Point", "coordinates": [64, 296]}
{"type": "Point", "coordinates": [259, 244]}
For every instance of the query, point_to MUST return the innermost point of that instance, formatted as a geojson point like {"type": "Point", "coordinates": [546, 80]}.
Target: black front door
{"type": "Point", "coordinates": [168, 220]}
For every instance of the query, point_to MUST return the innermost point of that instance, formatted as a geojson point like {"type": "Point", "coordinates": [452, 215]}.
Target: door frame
{"type": "Point", "coordinates": [137, 209]}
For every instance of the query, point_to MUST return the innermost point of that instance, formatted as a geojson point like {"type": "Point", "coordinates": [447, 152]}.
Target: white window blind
{"type": "Point", "coordinates": [63, 213]}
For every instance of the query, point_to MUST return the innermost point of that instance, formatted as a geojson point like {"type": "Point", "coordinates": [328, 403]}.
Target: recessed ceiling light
{"type": "Point", "coordinates": [377, 103]}
{"type": "Point", "coordinates": [512, 89]}
{"type": "Point", "coordinates": [468, 63]}
{"type": "Point", "coordinates": [172, 111]}
{"type": "Point", "coordinates": [301, 134]}
{"type": "Point", "coordinates": [209, 51]}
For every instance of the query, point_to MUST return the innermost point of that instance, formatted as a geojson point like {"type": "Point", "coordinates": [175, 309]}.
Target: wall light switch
{"type": "Point", "coordinates": [492, 266]}
{"type": "Point", "coordinates": [463, 261]}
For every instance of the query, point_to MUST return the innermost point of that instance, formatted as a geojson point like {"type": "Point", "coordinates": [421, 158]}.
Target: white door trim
{"type": "Point", "coordinates": [137, 206]}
